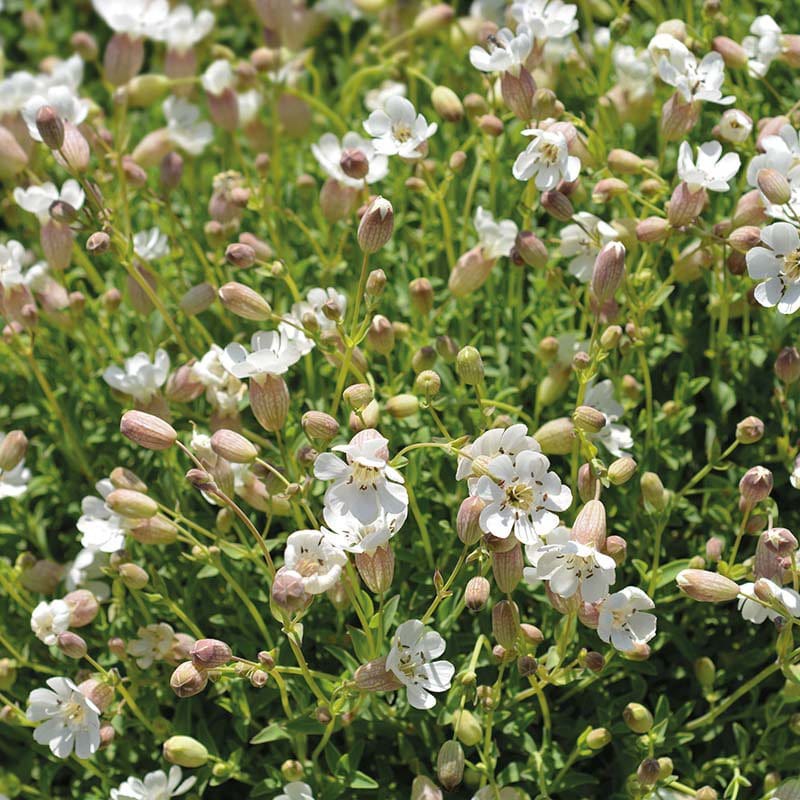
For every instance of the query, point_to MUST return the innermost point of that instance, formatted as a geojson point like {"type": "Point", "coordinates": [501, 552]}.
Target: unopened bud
{"type": "Point", "coordinates": [13, 447]}
{"type": "Point", "coordinates": [755, 485]}
{"type": "Point", "coordinates": [637, 718]}
{"type": "Point", "coordinates": [556, 437]}
{"type": "Point", "coordinates": [50, 127]}
{"type": "Point", "coordinates": [210, 653]}
{"type": "Point", "coordinates": [469, 366]}
{"type": "Point", "coordinates": [609, 271]}
{"type": "Point", "coordinates": [133, 576]}
{"type": "Point", "coordinates": [505, 623]}
{"type": "Point", "coordinates": [653, 491]}
{"type": "Point", "coordinates": [185, 752]}
{"type": "Point", "coordinates": [376, 226]}
{"type": "Point", "coordinates": [450, 764]}
{"type": "Point", "coordinates": [476, 593]}
{"type": "Point", "coordinates": [233, 447]}
{"type": "Point", "coordinates": [71, 645]}
{"type": "Point", "coordinates": [447, 104]}
{"type": "Point", "coordinates": [706, 587]}
{"type": "Point", "coordinates": [787, 365]}
{"type": "Point", "coordinates": [588, 419]}
{"type": "Point", "coordinates": [598, 738]}
{"type": "Point", "coordinates": [750, 430]}
{"type": "Point", "coordinates": [187, 681]}
{"type": "Point", "coordinates": [131, 504]}
{"type": "Point", "coordinates": [648, 772]}
{"type": "Point", "coordinates": [244, 301]}
{"type": "Point", "coordinates": [148, 431]}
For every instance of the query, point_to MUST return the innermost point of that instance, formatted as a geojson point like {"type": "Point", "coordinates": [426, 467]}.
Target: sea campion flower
{"type": "Point", "coordinates": [67, 104]}
{"type": "Point", "coordinates": [711, 171]}
{"type": "Point", "coordinates": [509, 441]}
{"type": "Point", "coordinates": [634, 72]}
{"type": "Point", "coordinates": [582, 241]}
{"type": "Point", "coordinates": [397, 129]}
{"type": "Point", "coordinates": [150, 244]}
{"type": "Point", "coordinates": [735, 126]}
{"type": "Point", "coordinates": [273, 352]}
{"type": "Point", "coordinates": [328, 151]}
{"type": "Point", "coordinates": [156, 785]}
{"type": "Point", "coordinates": [546, 160]}
{"type": "Point", "coordinates": [296, 790]}
{"type": "Point", "coordinates": [348, 533]}
{"type": "Point", "coordinates": [506, 52]}
{"type": "Point", "coordinates": [69, 720]}
{"type": "Point", "coordinates": [364, 484]}
{"type": "Point", "coordinates": [781, 153]}
{"type": "Point", "coordinates": [570, 566]}
{"type": "Point", "coordinates": [137, 18]}
{"type": "Point", "coordinates": [623, 620]}
{"type": "Point", "coordinates": [223, 390]}
{"type": "Point", "coordinates": [546, 19]}
{"type": "Point", "coordinates": [50, 619]}
{"type": "Point", "coordinates": [615, 438]}
{"type": "Point", "coordinates": [316, 558]}
{"type": "Point", "coordinates": [185, 128]}
{"type": "Point", "coordinates": [38, 199]}
{"type": "Point", "coordinates": [184, 29]}
{"type": "Point", "coordinates": [411, 659]}
{"type": "Point", "coordinates": [523, 497]}
{"type": "Point", "coordinates": [376, 99]}
{"type": "Point", "coordinates": [778, 265]}
{"type": "Point", "coordinates": [14, 481]}
{"type": "Point", "coordinates": [292, 323]}
{"type": "Point", "coordinates": [102, 529]}
{"type": "Point", "coordinates": [763, 45]}
{"type": "Point", "coordinates": [496, 237]}
{"type": "Point", "coordinates": [85, 571]}
{"type": "Point", "coordinates": [139, 378]}
{"type": "Point", "coordinates": [154, 643]}
{"type": "Point", "coordinates": [752, 608]}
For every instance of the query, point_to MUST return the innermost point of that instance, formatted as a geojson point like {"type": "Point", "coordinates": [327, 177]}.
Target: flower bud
{"type": "Point", "coordinates": [490, 124]}
{"type": "Point", "coordinates": [733, 54]}
{"type": "Point", "coordinates": [617, 548]}
{"type": "Point", "coordinates": [507, 568]}
{"type": "Point", "coordinates": [148, 431]}
{"type": "Point", "coordinates": [467, 728]}
{"type": "Point", "coordinates": [233, 447]}
{"type": "Point", "coordinates": [133, 505]}
{"type": "Point", "coordinates": [12, 450]}
{"type": "Point", "coordinates": [71, 645]}
{"type": "Point", "coordinates": [240, 255]}
{"type": "Point", "coordinates": [374, 677]}
{"type": "Point", "coordinates": [705, 672]}
{"type": "Point", "coordinates": [468, 520]}
{"type": "Point", "coordinates": [590, 525]}
{"type": "Point", "coordinates": [653, 492]}
{"type": "Point", "coordinates": [787, 365]}
{"type": "Point", "coordinates": [774, 186]}
{"type": "Point", "coordinates": [755, 485]}
{"type": "Point", "coordinates": [428, 383]}
{"type": "Point", "coordinates": [598, 738]}
{"type": "Point", "coordinates": [531, 249]}
{"type": "Point", "coordinates": [624, 162]}
{"type": "Point", "coordinates": [269, 401]}
{"type": "Point", "coordinates": [609, 271]}
{"type": "Point", "coordinates": [750, 430]}
{"type": "Point", "coordinates": [505, 623]}
{"type": "Point", "coordinates": [319, 426]}
{"type": "Point", "coordinates": [621, 470]}
{"type": "Point", "coordinates": [358, 395]}
{"type": "Point", "coordinates": [685, 205]}
{"type": "Point", "coordinates": [50, 127]}
{"type": "Point", "coordinates": [706, 587]}
{"type": "Point", "coordinates": [450, 764]}
{"type": "Point", "coordinates": [377, 568]}
{"type": "Point", "coordinates": [133, 576]}
{"type": "Point", "coordinates": [470, 272]}
{"type": "Point", "coordinates": [518, 92]}
{"type": "Point", "coordinates": [588, 419]}
{"type": "Point", "coordinates": [83, 607]}
{"type": "Point", "coordinates": [558, 205]}
{"type": "Point", "coordinates": [433, 18]}
{"type": "Point", "coordinates": [74, 153]}
{"type": "Point", "coordinates": [744, 238]}
{"type": "Point", "coordinates": [648, 772]}
{"type": "Point", "coordinates": [423, 788]}
{"type": "Point", "coordinates": [447, 104]}
{"type": "Point", "coordinates": [187, 681]}
{"type": "Point", "coordinates": [402, 405]}
{"type": "Point", "coordinates": [706, 793]}
{"type": "Point", "coordinates": [13, 159]}
{"type": "Point", "coordinates": [244, 302]}
{"type": "Point", "coordinates": [101, 694]}
{"type": "Point", "coordinates": [156, 530]}
{"type": "Point", "coordinates": [556, 437]}
{"type": "Point", "coordinates": [380, 335]}
{"type": "Point", "coordinates": [469, 366]}
{"type": "Point", "coordinates": [376, 226]}
{"type": "Point", "coordinates": [476, 593]}
{"type": "Point", "coordinates": [185, 752]}
{"type": "Point", "coordinates": [593, 661]}
{"type": "Point", "coordinates": [420, 293]}
{"type": "Point", "coordinates": [637, 718]}
{"type": "Point", "coordinates": [210, 653]}
{"type": "Point", "coordinates": [42, 576]}
{"type": "Point", "coordinates": [652, 229]}
{"type": "Point", "coordinates": [375, 285]}
{"type": "Point", "coordinates": [288, 592]}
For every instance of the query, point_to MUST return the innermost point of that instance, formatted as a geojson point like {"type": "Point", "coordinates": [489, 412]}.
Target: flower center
{"type": "Point", "coordinates": [550, 152]}
{"type": "Point", "coordinates": [365, 476]}
{"type": "Point", "coordinates": [520, 495]}
{"type": "Point", "coordinates": [791, 265]}
{"type": "Point", "coordinates": [74, 712]}
{"type": "Point", "coordinates": [401, 131]}
{"type": "Point", "coordinates": [308, 566]}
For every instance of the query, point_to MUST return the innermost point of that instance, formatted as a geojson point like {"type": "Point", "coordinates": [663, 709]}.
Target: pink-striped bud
{"type": "Point", "coordinates": [707, 587]}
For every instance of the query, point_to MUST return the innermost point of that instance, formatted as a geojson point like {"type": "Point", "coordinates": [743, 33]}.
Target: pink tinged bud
{"type": "Point", "coordinates": [531, 249]}
{"type": "Point", "coordinates": [123, 58]}
{"type": "Point", "coordinates": [587, 483]}
{"type": "Point", "coordinates": [269, 401]}
{"type": "Point", "coordinates": [13, 159]}
{"type": "Point", "coordinates": [83, 607]}
{"type": "Point", "coordinates": [685, 206]}
{"type": "Point", "coordinates": [507, 568]}
{"type": "Point", "coordinates": [678, 118]}
{"type": "Point", "coordinates": [71, 645]}
{"type": "Point", "coordinates": [624, 162]}
{"type": "Point", "coordinates": [224, 109]}
{"type": "Point", "coordinates": [133, 576]}
{"type": "Point", "coordinates": [744, 238]}
{"type": "Point", "coordinates": [244, 301]}
{"type": "Point", "coordinates": [336, 200]}
{"type": "Point", "coordinates": [617, 548]}
{"type": "Point", "coordinates": [210, 653]}
{"type": "Point", "coordinates": [233, 447]}
{"type": "Point", "coordinates": [755, 485]}
{"type": "Point", "coordinates": [354, 163]}
{"type": "Point", "coordinates": [50, 127]}
{"type": "Point", "coordinates": [156, 530]}
{"type": "Point", "coordinates": [42, 577]}
{"type": "Point", "coordinates": [147, 430]}
{"type": "Point", "coordinates": [750, 430]}
{"type": "Point", "coordinates": [240, 255]}
{"type": "Point", "coordinates": [588, 419]}
{"type": "Point", "coordinates": [767, 561]}
{"type": "Point", "coordinates": [774, 185]}
{"type": "Point", "coordinates": [98, 243]}
{"type": "Point", "coordinates": [476, 593]}
{"type": "Point", "coordinates": [132, 504]}
{"type": "Point", "coordinates": [470, 272]}
{"type": "Point", "coordinates": [518, 91]}
{"type": "Point", "coordinates": [505, 623]}
{"type": "Point", "coordinates": [182, 385]}
{"type": "Point", "coordinates": [749, 210]}
{"type": "Point", "coordinates": [557, 205]}
{"type": "Point", "coordinates": [376, 569]}
{"type": "Point", "coordinates": [288, 593]}
{"type": "Point", "coordinates": [374, 677]}
{"type": "Point", "coordinates": [707, 587]}
{"type": "Point", "coordinates": [74, 154]}
{"type": "Point", "coordinates": [787, 365]}
{"type": "Point", "coordinates": [187, 680]}
{"type": "Point", "coordinates": [433, 19]}
{"type": "Point", "coordinates": [590, 525]}
{"type": "Point", "coordinates": [714, 548]}
{"type": "Point", "coordinates": [376, 226]}
{"type": "Point", "coordinates": [101, 694]}
{"type": "Point", "coordinates": [556, 437]}
{"type": "Point", "coordinates": [56, 240]}
{"type": "Point", "coordinates": [589, 615]}
{"type": "Point", "coordinates": [491, 125]}
{"type": "Point", "coordinates": [171, 170]}
{"type": "Point", "coordinates": [733, 54]}
{"type": "Point", "coordinates": [12, 450]}
{"type": "Point", "coordinates": [607, 189]}
{"type": "Point", "coordinates": [652, 229]}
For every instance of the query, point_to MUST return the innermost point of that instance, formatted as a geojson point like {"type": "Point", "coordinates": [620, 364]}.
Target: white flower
{"type": "Point", "coordinates": [248, 104]}
{"type": "Point", "coordinates": [507, 51]}
{"type": "Point", "coordinates": [84, 571]}
{"type": "Point", "coordinates": [364, 484]}
{"type": "Point", "coordinates": [763, 45]}
{"type": "Point", "coordinates": [547, 19]}
{"type": "Point", "coordinates": [296, 790]}
{"type": "Point", "coordinates": [13, 482]}
{"type": "Point", "coordinates": [315, 558]}
{"type": "Point", "coordinates": [139, 378]}
{"type": "Point", "coordinates": [711, 171]}
{"type": "Point", "coordinates": [50, 619]}
{"type": "Point", "coordinates": [150, 244]}
{"type": "Point", "coordinates": [546, 159]}
{"type": "Point", "coordinates": [38, 199]}
{"type": "Point", "coordinates": [376, 98]}
{"type": "Point", "coordinates": [582, 241]}
{"type": "Point", "coordinates": [155, 786]}
{"type": "Point", "coordinates": [218, 77]}
{"type": "Point", "coordinates": [223, 390]}
{"type": "Point", "coordinates": [316, 298]}
{"type": "Point", "coordinates": [184, 126]}
{"type": "Point", "coordinates": [794, 477]}
{"type": "Point", "coordinates": [522, 497]}
{"type": "Point", "coordinates": [495, 442]}
{"type": "Point", "coordinates": [571, 566]}
{"type": "Point", "coordinates": [102, 529]}
{"type": "Point", "coordinates": [63, 99]}
{"type": "Point", "coordinates": [398, 129]}
{"type": "Point", "coordinates": [615, 438]}
{"type": "Point", "coordinates": [349, 534]}
{"type": "Point", "coordinates": [781, 153]}
{"type": "Point", "coordinates": [328, 152]}
{"type": "Point", "coordinates": [753, 610]}
{"type": "Point", "coordinates": [154, 643]}
{"type": "Point", "coordinates": [137, 18]}
{"type": "Point", "coordinates": [623, 621]}
{"type": "Point", "coordinates": [273, 354]}
{"type": "Point", "coordinates": [496, 237]}
{"type": "Point", "coordinates": [634, 73]}
{"type": "Point", "coordinates": [184, 29]}
{"type": "Point", "coordinates": [411, 659]}
{"type": "Point", "coordinates": [12, 262]}
{"type": "Point", "coordinates": [69, 720]}
{"type": "Point", "coordinates": [679, 67]}
{"type": "Point", "coordinates": [735, 126]}
{"type": "Point", "coordinates": [490, 10]}
{"type": "Point", "coordinates": [779, 265]}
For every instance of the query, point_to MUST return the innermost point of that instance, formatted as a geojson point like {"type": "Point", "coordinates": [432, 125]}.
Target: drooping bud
{"type": "Point", "coordinates": [744, 238]}
{"type": "Point", "coordinates": [320, 427]}
{"type": "Point", "coordinates": [83, 607]}
{"type": "Point", "coordinates": [185, 752]}
{"type": "Point", "coordinates": [685, 205]}
{"type": "Point", "coordinates": [621, 470]}
{"type": "Point", "coordinates": [531, 249]}
{"type": "Point", "coordinates": [50, 127]}
{"type": "Point", "coordinates": [244, 301]}
{"type": "Point", "coordinates": [468, 520]}
{"type": "Point", "coordinates": [210, 653]}
{"type": "Point", "coordinates": [588, 419]}
{"type": "Point", "coordinates": [131, 504]}
{"type": "Point", "coordinates": [433, 18]}
{"type": "Point", "coordinates": [750, 430]}
{"type": "Point", "coordinates": [376, 226]}
{"type": "Point", "coordinates": [447, 103]}
{"type": "Point", "coordinates": [505, 623]}
{"type": "Point", "coordinates": [187, 681]}
{"type": "Point", "coordinates": [755, 485]}
{"type": "Point", "coordinates": [507, 568]}
{"type": "Point", "coordinates": [148, 431]}
{"type": "Point", "coordinates": [609, 271]}
{"type": "Point", "coordinates": [233, 447]}
{"type": "Point", "coordinates": [269, 401]}
{"type": "Point", "coordinates": [706, 587]}
{"type": "Point", "coordinates": [71, 645]}
{"type": "Point", "coordinates": [288, 592]}
{"type": "Point", "coordinates": [648, 772]}
{"type": "Point", "coordinates": [374, 677]}
{"type": "Point", "coordinates": [133, 576]}
{"type": "Point", "coordinates": [470, 272]}
{"type": "Point", "coordinates": [376, 568]}
{"type": "Point", "coordinates": [402, 405]}
{"type": "Point", "coordinates": [774, 186]}
{"type": "Point", "coordinates": [467, 728]}
{"type": "Point", "coordinates": [12, 450]}
{"type": "Point", "coordinates": [653, 491]}
{"type": "Point", "coordinates": [450, 764]}
{"type": "Point", "coordinates": [558, 205]}
{"type": "Point", "coordinates": [476, 593]}
{"type": "Point", "coordinates": [787, 365]}
{"type": "Point", "coordinates": [590, 525]}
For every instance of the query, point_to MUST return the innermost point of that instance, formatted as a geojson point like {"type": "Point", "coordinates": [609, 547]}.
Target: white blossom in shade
{"type": "Point", "coordinates": [16, 90]}
{"type": "Point", "coordinates": [634, 73]}
{"type": "Point", "coordinates": [248, 104]}
{"type": "Point", "coordinates": [781, 153]}
{"type": "Point", "coordinates": [38, 199]}
{"type": "Point", "coordinates": [12, 263]}
{"type": "Point", "coordinates": [570, 566]}
{"type": "Point", "coordinates": [184, 28]}
{"type": "Point", "coordinates": [778, 267]}
{"type": "Point", "coordinates": [102, 529]}
{"type": "Point", "coordinates": [296, 790]}
{"type": "Point", "coordinates": [316, 298]}
{"type": "Point", "coordinates": [223, 390]}
{"type": "Point", "coordinates": [69, 720]}
{"type": "Point", "coordinates": [315, 558]}
{"type": "Point", "coordinates": [184, 126]}
{"type": "Point", "coordinates": [794, 477]}
{"type": "Point", "coordinates": [711, 170]}
{"type": "Point", "coordinates": [348, 533]}
{"type": "Point", "coordinates": [523, 497]}
{"type": "Point", "coordinates": [735, 126]}
{"type": "Point", "coordinates": [496, 237]}
{"type": "Point", "coordinates": [153, 644]}
{"type": "Point", "coordinates": [411, 659]}
{"type": "Point", "coordinates": [397, 129]}
{"type": "Point", "coordinates": [506, 51]}
{"type": "Point", "coordinates": [328, 152]}
{"type": "Point", "coordinates": [50, 619]}
{"type": "Point", "coordinates": [763, 45]}
{"type": "Point", "coordinates": [615, 438]}
{"type": "Point", "coordinates": [67, 104]}
{"type": "Point", "coordinates": [273, 352]}
{"type": "Point", "coordinates": [218, 77]}
{"type": "Point", "coordinates": [546, 159]}
{"type": "Point", "coordinates": [547, 19]}
{"type": "Point", "coordinates": [13, 482]}
{"type": "Point", "coordinates": [85, 571]}
{"type": "Point", "coordinates": [64, 72]}
{"type": "Point", "coordinates": [495, 442]}
{"type": "Point", "coordinates": [137, 18]}
{"type": "Point", "coordinates": [364, 484]}
{"type": "Point", "coordinates": [680, 68]}
{"type": "Point", "coordinates": [150, 244]}
{"type": "Point", "coordinates": [156, 785]}
{"type": "Point", "coordinates": [376, 99]}
{"type": "Point", "coordinates": [582, 240]}
{"type": "Point", "coordinates": [140, 377]}
{"type": "Point", "coordinates": [624, 621]}
{"type": "Point", "coordinates": [753, 609]}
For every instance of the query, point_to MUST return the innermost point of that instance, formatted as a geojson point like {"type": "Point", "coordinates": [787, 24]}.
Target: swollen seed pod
{"type": "Point", "coordinates": [505, 623]}
{"type": "Point", "coordinates": [233, 447]}
{"type": "Point", "coordinates": [469, 366]}
{"type": "Point", "coordinates": [476, 593]}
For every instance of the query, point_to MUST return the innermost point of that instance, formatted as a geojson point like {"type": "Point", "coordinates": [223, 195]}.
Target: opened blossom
{"type": "Point", "coordinates": [476, 456]}
{"type": "Point", "coordinates": [139, 377]}
{"type": "Point", "coordinates": [329, 151]}
{"type": "Point", "coordinates": [624, 620]}
{"type": "Point", "coordinates": [347, 532]}
{"type": "Point", "coordinates": [38, 199]}
{"type": "Point", "coordinates": [397, 129]}
{"type": "Point", "coordinates": [546, 160]}
{"type": "Point", "coordinates": [102, 529]}
{"type": "Point", "coordinates": [614, 437]}
{"type": "Point", "coordinates": [154, 643]}
{"type": "Point", "coordinates": [157, 785]}
{"type": "Point", "coordinates": [753, 608]}
{"type": "Point", "coordinates": [185, 127]}
{"type": "Point", "coordinates": [316, 558]}
{"type": "Point", "coordinates": [273, 352]}
{"type": "Point", "coordinates": [546, 19]}
{"type": "Point", "coordinates": [694, 80]}
{"type": "Point", "coordinates": [763, 45]}
{"type": "Point", "coordinates": [50, 619]}
{"type": "Point", "coordinates": [711, 170]}
{"type": "Point", "coordinates": [778, 267]}
{"type": "Point", "coordinates": [505, 52]}
{"type": "Point", "coordinates": [582, 241]}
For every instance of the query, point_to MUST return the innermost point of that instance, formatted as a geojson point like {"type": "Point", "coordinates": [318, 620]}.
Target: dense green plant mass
{"type": "Point", "coordinates": [399, 399]}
